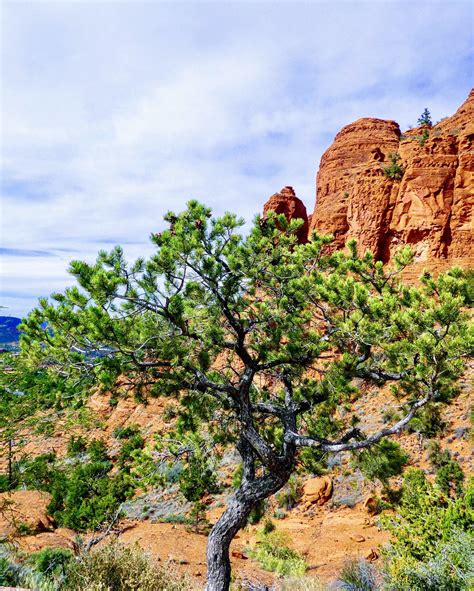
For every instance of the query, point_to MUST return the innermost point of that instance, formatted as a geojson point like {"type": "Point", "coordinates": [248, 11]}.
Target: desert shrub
{"type": "Point", "coordinates": [88, 495]}
{"type": "Point", "coordinates": [378, 505]}
{"type": "Point", "coordinates": [76, 445]}
{"type": "Point", "coordinates": [258, 511]}
{"type": "Point", "coordinates": [51, 563]}
{"type": "Point", "coordinates": [421, 139]}
{"type": "Point", "coordinates": [9, 573]}
{"type": "Point", "coordinates": [468, 288]}
{"type": "Point", "coordinates": [237, 476]}
{"type": "Point", "coordinates": [428, 422]}
{"type": "Point", "coordinates": [358, 575]}
{"type": "Point", "coordinates": [131, 443]}
{"type": "Point", "coordinates": [394, 170]}
{"type": "Point", "coordinates": [126, 432]}
{"type": "Point", "coordinates": [197, 478]}
{"type": "Point", "coordinates": [290, 495]}
{"type": "Point", "coordinates": [97, 451]}
{"type": "Point", "coordinates": [383, 462]}
{"type": "Point", "coordinates": [449, 475]}
{"type": "Point", "coordinates": [302, 584]}
{"type": "Point", "coordinates": [390, 415]}
{"type": "Point", "coordinates": [273, 554]}
{"type": "Point", "coordinates": [5, 483]}
{"type": "Point", "coordinates": [268, 526]}
{"type": "Point", "coordinates": [15, 572]}
{"type": "Point", "coordinates": [84, 495]}
{"type": "Point", "coordinates": [450, 568]}
{"type": "Point", "coordinates": [170, 412]}
{"type": "Point", "coordinates": [119, 568]}
{"type": "Point", "coordinates": [37, 473]}
{"type": "Point", "coordinates": [424, 538]}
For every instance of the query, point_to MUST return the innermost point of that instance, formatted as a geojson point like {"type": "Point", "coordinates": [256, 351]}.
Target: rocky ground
{"type": "Point", "coordinates": [330, 523]}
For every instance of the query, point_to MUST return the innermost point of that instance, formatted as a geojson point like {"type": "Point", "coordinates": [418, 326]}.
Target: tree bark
{"type": "Point", "coordinates": [218, 560]}
{"type": "Point", "coordinates": [231, 521]}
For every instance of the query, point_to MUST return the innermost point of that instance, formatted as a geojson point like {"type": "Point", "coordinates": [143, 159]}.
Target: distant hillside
{"type": "Point", "coordinates": [8, 329]}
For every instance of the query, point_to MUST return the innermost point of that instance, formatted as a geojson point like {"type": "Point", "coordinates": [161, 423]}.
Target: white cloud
{"type": "Point", "coordinates": [116, 112]}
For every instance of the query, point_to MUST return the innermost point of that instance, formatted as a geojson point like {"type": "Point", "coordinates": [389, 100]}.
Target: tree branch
{"type": "Point", "coordinates": [344, 445]}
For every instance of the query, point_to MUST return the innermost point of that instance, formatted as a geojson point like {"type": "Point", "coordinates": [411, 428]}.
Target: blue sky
{"type": "Point", "coordinates": [115, 112]}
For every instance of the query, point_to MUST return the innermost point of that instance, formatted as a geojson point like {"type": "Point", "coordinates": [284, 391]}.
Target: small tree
{"type": "Point", "coordinates": [425, 118]}
{"type": "Point", "coordinates": [259, 339]}
{"type": "Point", "coordinates": [394, 170]}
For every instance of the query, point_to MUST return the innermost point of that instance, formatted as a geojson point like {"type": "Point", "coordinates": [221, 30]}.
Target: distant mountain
{"type": "Point", "coordinates": [8, 329]}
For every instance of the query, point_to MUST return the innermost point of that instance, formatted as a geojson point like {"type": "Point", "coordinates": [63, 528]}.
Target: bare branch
{"type": "Point", "coordinates": [344, 445]}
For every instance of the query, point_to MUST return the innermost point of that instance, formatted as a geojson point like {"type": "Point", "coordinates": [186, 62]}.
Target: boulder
{"type": "Point", "coordinates": [316, 491]}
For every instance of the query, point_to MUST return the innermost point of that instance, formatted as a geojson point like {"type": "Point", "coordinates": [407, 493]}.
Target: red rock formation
{"type": "Point", "coordinates": [288, 203]}
{"type": "Point", "coordinates": [430, 207]}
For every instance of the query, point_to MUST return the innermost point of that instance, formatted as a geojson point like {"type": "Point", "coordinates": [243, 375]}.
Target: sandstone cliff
{"type": "Point", "coordinates": [429, 204]}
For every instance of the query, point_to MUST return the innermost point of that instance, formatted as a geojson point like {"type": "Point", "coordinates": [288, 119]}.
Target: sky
{"type": "Point", "coordinates": [114, 113]}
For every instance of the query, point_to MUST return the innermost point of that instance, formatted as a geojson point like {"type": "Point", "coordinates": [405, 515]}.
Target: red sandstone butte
{"type": "Point", "coordinates": [430, 208]}
{"type": "Point", "coordinates": [288, 203]}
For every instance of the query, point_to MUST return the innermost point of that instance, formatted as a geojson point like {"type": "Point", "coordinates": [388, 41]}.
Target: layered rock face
{"type": "Point", "coordinates": [353, 194]}
{"type": "Point", "coordinates": [287, 202]}
{"type": "Point", "coordinates": [428, 206]}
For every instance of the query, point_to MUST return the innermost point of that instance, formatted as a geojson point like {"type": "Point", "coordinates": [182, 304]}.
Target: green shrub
{"type": "Point", "coordinates": [37, 473]}
{"type": "Point", "coordinates": [237, 476]}
{"type": "Point", "coordinates": [24, 529]}
{"type": "Point", "coordinates": [126, 432]}
{"type": "Point", "coordinates": [273, 554]}
{"type": "Point", "coordinates": [170, 412]}
{"type": "Point", "coordinates": [132, 443]}
{"type": "Point", "coordinates": [449, 475]}
{"type": "Point", "coordinates": [468, 288]}
{"type": "Point", "coordinates": [88, 495]}
{"type": "Point", "coordinates": [268, 526]}
{"type": "Point", "coordinates": [197, 479]}
{"type": "Point", "coordinates": [9, 573]}
{"type": "Point", "coordinates": [174, 518]}
{"type": "Point", "coordinates": [118, 568]}
{"type": "Point", "coordinates": [302, 584]}
{"type": "Point", "coordinates": [258, 512]}
{"type": "Point", "coordinates": [390, 415]}
{"type": "Point", "coordinates": [394, 170]}
{"type": "Point", "coordinates": [76, 445]}
{"type": "Point", "coordinates": [290, 495]}
{"type": "Point", "coordinates": [425, 134]}
{"type": "Point", "coordinates": [428, 422]}
{"type": "Point", "coordinates": [424, 537]}
{"type": "Point", "coordinates": [6, 483]}
{"type": "Point", "coordinates": [382, 461]}
{"type": "Point", "coordinates": [97, 451]}
{"type": "Point", "coordinates": [450, 568]}
{"type": "Point", "coordinates": [51, 563]}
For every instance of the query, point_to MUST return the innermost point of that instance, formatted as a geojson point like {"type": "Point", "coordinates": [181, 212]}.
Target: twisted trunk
{"type": "Point", "coordinates": [218, 561]}
{"type": "Point", "coordinates": [232, 520]}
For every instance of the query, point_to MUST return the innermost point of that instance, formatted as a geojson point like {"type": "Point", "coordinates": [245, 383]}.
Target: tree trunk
{"type": "Point", "coordinates": [231, 521]}
{"type": "Point", "coordinates": [218, 561]}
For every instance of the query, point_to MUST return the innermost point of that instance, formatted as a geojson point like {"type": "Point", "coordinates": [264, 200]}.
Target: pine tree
{"type": "Point", "coordinates": [258, 339]}
{"type": "Point", "coordinates": [425, 118]}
